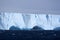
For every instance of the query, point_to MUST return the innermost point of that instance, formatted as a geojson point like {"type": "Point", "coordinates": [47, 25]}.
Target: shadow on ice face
{"type": "Point", "coordinates": [37, 28]}
{"type": "Point", "coordinates": [14, 28]}
{"type": "Point", "coordinates": [57, 29]}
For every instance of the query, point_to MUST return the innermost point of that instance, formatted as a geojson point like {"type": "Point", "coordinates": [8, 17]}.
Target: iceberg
{"type": "Point", "coordinates": [28, 21]}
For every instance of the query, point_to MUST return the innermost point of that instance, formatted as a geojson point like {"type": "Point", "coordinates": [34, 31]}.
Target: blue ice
{"type": "Point", "coordinates": [28, 21]}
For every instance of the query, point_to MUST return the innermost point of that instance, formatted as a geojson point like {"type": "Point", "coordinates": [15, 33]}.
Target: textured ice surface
{"type": "Point", "coordinates": [27, 21]}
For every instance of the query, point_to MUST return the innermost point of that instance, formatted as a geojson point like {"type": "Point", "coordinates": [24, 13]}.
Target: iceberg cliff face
{"type": "Point", "coordinates": [1, 21]}
{"type": "Point", "coordinates": [13, 19]}
{"type": "Point", "coordinates": [27, 21]}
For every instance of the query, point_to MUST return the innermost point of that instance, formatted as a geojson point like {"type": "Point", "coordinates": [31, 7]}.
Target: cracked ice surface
{"type": "Point", "coordinates": [23, 21]}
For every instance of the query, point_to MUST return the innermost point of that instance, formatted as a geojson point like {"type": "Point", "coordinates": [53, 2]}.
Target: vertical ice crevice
{"type": "Point", "coordinates": [32, 21]}
{"type": "Point", "coordinates": [55, 21]}
{"type": "Point", "coordinates": [1, 21]}
{"type": "Point", "coordinates": [17, 20]}
{"type": "Point", "coordinates": [26, 18]}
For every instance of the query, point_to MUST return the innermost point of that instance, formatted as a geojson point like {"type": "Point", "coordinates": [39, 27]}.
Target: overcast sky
{"type": "Point", "coordinates": [30, 5]}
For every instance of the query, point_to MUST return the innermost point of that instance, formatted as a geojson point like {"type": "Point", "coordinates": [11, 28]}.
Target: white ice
{"type": "Point", "coordinates": [24, 21]}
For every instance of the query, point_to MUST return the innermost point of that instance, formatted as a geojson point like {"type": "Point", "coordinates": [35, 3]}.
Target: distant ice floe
{"type": "Point", "coordinates": [28, 21]}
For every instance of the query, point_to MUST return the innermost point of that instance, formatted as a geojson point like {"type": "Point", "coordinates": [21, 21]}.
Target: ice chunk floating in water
{"type": "Point", "coordinates": [28, 21]}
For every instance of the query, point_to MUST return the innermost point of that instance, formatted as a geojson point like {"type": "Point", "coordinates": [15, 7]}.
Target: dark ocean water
{"type": "Point", "coordinates": [29, 35]}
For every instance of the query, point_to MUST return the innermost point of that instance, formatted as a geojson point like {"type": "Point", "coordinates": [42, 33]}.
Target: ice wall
{"type": "Point", "coordinates": [27, 21]}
